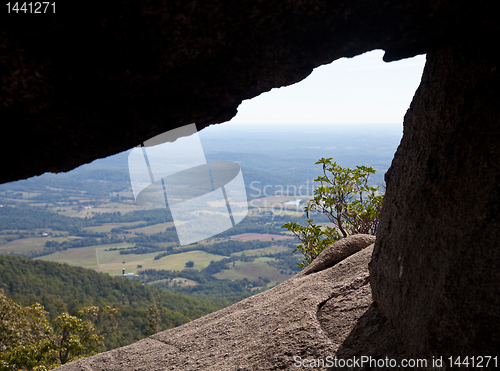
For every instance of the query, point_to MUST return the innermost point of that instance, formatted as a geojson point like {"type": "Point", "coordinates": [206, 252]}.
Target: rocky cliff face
{"type": "Point", "coordinates": [136, 69]}
{"type": "Point", "coordinates": [435, 271]}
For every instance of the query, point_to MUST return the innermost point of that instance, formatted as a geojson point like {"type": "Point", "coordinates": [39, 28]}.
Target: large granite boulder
{"type": "Point", "coordinates": [435, 272]}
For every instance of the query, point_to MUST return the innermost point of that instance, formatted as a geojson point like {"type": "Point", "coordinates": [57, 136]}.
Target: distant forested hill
{"type": "Point", "coordinates": [30, 218]}
{"type": "Point", "coordinates": [63, 288]}
{"type": "Point", "coordinates": [92, 181]}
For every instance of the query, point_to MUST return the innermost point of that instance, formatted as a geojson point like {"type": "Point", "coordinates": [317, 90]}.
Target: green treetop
{"type": "Point", "coordinates": [345, 197]}
{"type": "Point", "coordinates": [28, 342]}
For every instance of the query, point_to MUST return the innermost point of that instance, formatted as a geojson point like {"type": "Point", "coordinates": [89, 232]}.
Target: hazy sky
{"type": "Point", "coordinates": [363, 89]}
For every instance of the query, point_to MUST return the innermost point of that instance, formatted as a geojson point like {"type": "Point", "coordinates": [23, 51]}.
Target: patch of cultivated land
{"type": "Point", "coordinates": [4, 237]}
{"type": "Point", "coordinates": [260, 237]}
{"type": "Point", "coordinates": [38, 204]}
{"type": "Point", "coordinates": [107, 227]}
{"type": "Point", "coordinates": [177, 262]}
{"type": "Point", "coordinates": [81, 257]}
{"type": "Point", "coordinates": [178, 280]}
{"type": "Point", "coordinates": [127, 193]}
{"type": "Point", "coordinates": [153, 229]}
{"type": "Point", "coordinates": [112, 262]}
{"type": "Point", "coordinates": [105, 208]}
{"type": "Point", "coordinates": [24, 194]}
{"type": "Point", "coordinates": [252, 271]}
{"type": "Point", "coordinates": [24, 245]}
{"type": "Point", "coordinates": [17, 200]}
{"type": "Point", "coordinates": [265, 251]}
{"type": "Point", "coordinates": [210, 241]}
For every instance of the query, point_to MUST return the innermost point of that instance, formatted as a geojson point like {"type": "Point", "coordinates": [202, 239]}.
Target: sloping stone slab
{"type": "Point", "coordinates": [338, 252]}
{"type": "Point", "coordinates": [263, 332]}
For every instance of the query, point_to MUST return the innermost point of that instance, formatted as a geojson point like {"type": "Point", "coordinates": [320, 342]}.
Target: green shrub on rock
{"type": "Point", "coordinates": [351, 205]}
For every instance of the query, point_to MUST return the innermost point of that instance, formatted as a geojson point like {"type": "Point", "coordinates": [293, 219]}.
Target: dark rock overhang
{"type": "Point", "coordinates": [78, 88]}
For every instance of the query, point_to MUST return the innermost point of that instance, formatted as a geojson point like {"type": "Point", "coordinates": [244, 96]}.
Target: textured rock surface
{"type": "Point", "coordinates": [263, 332]}
{"type": "Point", "coordinates": [338, 252]}
{"type": "Point", "coordinates": [436, 265]}
{"type": "Point", "coordinates": [125, 71]}
{"type": "Point", "coordinates": [373, 336]}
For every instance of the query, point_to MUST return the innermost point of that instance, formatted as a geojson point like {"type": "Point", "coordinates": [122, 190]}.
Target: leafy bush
{"type": "Point", "coordinates": [27, 340]}
{"type": "Point", "coordinates": [350, 204]}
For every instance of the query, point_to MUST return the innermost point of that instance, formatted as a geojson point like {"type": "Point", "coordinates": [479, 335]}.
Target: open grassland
{"type": "Point", "coordinates": [72, 211]}
{"type": "Point", "coordinates": [24, 194]}
{"type": "Point", "coordinates": [83, 257]}
{"type": "Point", "coordinates": [152, 229]}
{"type": "Point", "coordinates": [126, 193]}
{"type": "Point", "coordinates": [112, 207]}
{"type": "Point", "coordinates": [38, 204]}
{"type": "Point", "coordinates": [260, 237]}
{"type": "Point", "coordinates": [179, 281]}
{"type": "Point", "coordinates": [177, 262]}
{"type": "Point", "coordinates": [19, 201]}
{"type": "Point", "coordinates": [4, 237]}
{"type": "Point", "coordinates": [113, 262]}
{"type": "Point", "coordinates": [107, 227]}
{"type": "Point", "coordinates": [268, 250]}
{"type": "Point", "coordinates": [24, 245]}
{"type": "Point", "coordinates": [252, 271]}
{"type": "Point", "coordinates": [86, 256]}
{"type": "Point", "coordinates": [212, 240]}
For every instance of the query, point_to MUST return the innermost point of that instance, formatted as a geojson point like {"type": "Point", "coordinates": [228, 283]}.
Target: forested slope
{"type": "Point", "coordinates": [60, 288]}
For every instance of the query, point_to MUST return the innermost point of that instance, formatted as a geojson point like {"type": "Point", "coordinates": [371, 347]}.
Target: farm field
{"type": "Point", "coordinates": [83, 257]}
{"type": "Point", "coordinates": [107, 227]}
{"type": "Point", "coordinates": [152, 229]}
{"type": "Point", "coordinates": [25, 195]}
{"type": "Point", "coordinates": [27, 244]}
{"type": "Point", "coordinates": [260, 237]}
{"type": "Point", "coordinates": [268, 250]}
{"type": "Point", "coordinates": [178, 281]}
{"type": "Point", "coordinates": [252, 271]}
{"type": "Point", "coordinates": [72, 211]}
{"type": "Point", "coordinates": [112, 262]}
{"type": "Point", "coordinates": [177, 262]}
